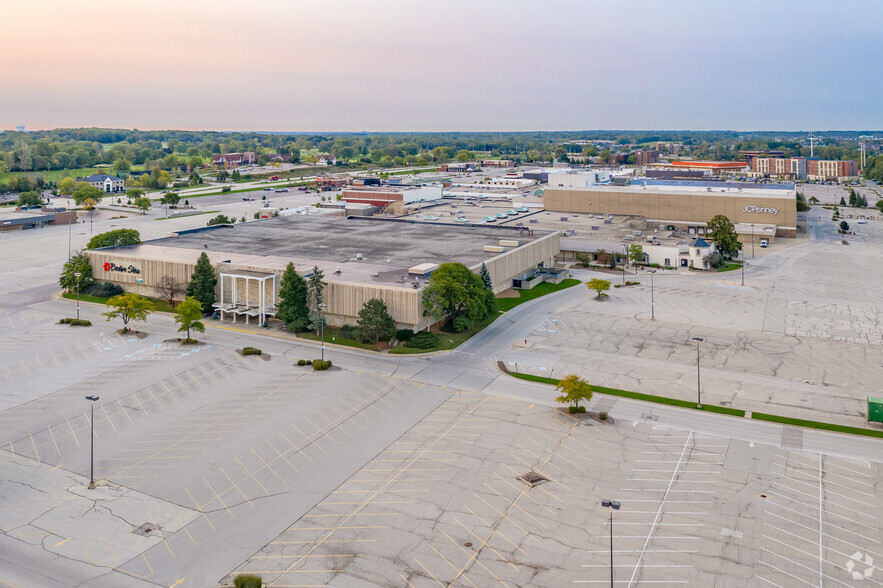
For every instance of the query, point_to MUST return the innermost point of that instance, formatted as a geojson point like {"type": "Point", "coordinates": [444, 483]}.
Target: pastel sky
{"type": "Point", "coordinates": [421, 65]}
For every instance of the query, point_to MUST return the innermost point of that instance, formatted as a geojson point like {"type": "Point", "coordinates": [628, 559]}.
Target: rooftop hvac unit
{"type": "Point", "coordinates": [492, 249]}
{"type": "Point", "coordinates": [508, 243]}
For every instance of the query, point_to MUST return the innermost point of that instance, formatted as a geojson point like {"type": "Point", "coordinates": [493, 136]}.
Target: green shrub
{"type": "Point", "coordinates": [189, 341]}
{"type": "Point", "coordinates": [423, 340]}
{"type": "Point", "coordinates": [225, 189]}
{"type": "Point", "coordinates": [321, 365]}
{"type": "Point", "coordinates": [461, 323]}
{"type": "Point", "coordinates": [602, 416]}
{"type": "Point", "coordinates": [75, 322]}
{"type": "Point", "coordinates": [404, 334]}
{"type": "Point", "coordinates": [301, 362]}
{"type": "Point", "coordinates": [309, 362]}
{"type": "Point", "coordinates": [576, 409]}
{"type": "Point", "coordinates": [105, 290]}
{"type": "Point", "coordinates": [348, 331]}
{"type": "Point", "coordinates": [247, 581]}
{"type": "Point", "coordinates": [251, 351]}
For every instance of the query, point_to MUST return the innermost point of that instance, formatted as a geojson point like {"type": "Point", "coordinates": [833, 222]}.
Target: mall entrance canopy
{"type": "Point", "coordinates": [245, 293]}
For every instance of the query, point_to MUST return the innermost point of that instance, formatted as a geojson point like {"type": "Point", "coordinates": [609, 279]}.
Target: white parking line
{"type": "Point", "coordinates": [659, 510]}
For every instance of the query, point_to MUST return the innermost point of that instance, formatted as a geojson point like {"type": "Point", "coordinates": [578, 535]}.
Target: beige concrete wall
{"type": "Point", "coordinates": [509, 264]}
{"type": "Point", "coordinates": [680, 206]}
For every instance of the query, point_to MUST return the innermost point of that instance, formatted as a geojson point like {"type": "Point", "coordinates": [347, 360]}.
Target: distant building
{"type": "Point", "coordinates": [20, 128]}
{"type": "Point", "coordinates": [668, 148]}
{"type": "Point", "coordinates": [105, 183]}
{"type": "Point", "coordinates": [232, 160]}
{"type": "Point", "coordinates": [826, 170]}
{"type": "Point", "coordinates": [497, 163]}
{"type": "Point", "coordinates": [582, 179]}
{"type": "Point", "coordinates": [779, 167]}
{"type": "Point", "coordinates": [380, 196]}
{"type": "Point", "coordinates": [325, 159]}
{"type": "Point", "coordinates": [711, 168]}
{"type": "Point", "coordinates": [643, 158]}
{"type": "Point", "coordinates": [751, 154]}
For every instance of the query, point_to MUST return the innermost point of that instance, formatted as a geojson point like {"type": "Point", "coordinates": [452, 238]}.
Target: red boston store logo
{"type": "Point", "coordinates": [126, 269]}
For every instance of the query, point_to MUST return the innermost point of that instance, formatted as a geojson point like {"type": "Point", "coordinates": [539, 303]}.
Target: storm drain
{"type": "Point", "coordinates": [147, 529]}
{"type": "Point", "coordinates": [533, 479]}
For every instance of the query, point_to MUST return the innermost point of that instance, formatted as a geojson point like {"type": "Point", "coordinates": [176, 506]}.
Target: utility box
{"type": "Point", "coordinates": [875, 410]}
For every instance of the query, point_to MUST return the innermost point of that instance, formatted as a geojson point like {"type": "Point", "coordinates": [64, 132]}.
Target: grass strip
{"type": "Point", "coordinates": [446, 340]}
{"type": "Point", "coordinates": [338, 340]}
{"type": "Point", "coordinates": [816, 425]}
{"type": "Point", "coordinates": [159, 305]}
{"type": "Point", "coordinates": [504, 304]}
{"type": "Point", "coordinates": [640, 396]}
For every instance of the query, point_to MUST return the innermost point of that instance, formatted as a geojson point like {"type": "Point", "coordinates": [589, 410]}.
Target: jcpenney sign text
{"type": "Point", "coordinates": [761, 210]}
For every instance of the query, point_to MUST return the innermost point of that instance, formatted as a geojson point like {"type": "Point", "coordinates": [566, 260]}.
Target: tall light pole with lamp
{"type": "Point", "coordinates": [752, 241]}
{"type": "Point", "coordinates": [322, 323]}
{"type": "Point", "coordinates": [652, 300]}
{"type": "Point", "coordinates": [625, 262]}
{"type": "Point", "coordinates": [92, 399]}
{"type": "Point", "coordinates": [78, 275]}
{"type": "Point", "coordinates": [742, 250]}
{"type": "Point", "coordinates": [612, 505]}
{"type": "Point", "coordinates": [698, 380]}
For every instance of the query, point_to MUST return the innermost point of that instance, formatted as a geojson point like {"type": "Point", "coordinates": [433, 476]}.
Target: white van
{"type": "Point", "coordinates": [764, 243]}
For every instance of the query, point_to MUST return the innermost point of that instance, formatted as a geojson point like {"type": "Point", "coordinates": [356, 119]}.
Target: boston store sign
{"type": "Point", "coordinates": [126, 269]}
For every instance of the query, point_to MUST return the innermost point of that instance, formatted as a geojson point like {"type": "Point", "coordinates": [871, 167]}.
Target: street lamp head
{"type": "Point", "coordinates": [653, 271]}
{"type": "Point", "coordinates": [614, 504]}
{"type": "Point", "coordinates": [93, 398]}
{"type": "Point", "coordinates": [698, 339]}
{"type": "Point", "coordinates": [77, 275]}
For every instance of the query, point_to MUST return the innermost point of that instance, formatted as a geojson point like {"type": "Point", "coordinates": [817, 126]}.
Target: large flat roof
{"type": "Point", "coordinates": [639, 186]}
{"type": "Point", "coordinates": [387, 247]}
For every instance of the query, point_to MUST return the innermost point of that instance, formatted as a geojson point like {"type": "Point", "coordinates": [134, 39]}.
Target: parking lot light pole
{"type": "Point", "coordinates": [698, 381]}
{"type": "Point", "coordinates": [652, 301]}
{"type": "Point", "coordinates": [752, 241]}
{"type": "Point", "coordinates": [77, 275]}
{"type": "Point", "coordinates": [612, 505]}
{"type": "Point", "coordinates": [322, 321]}
{"type": "Point", "coordinates": [742, 249]}
{"type": "Point", "coordinates": [92, 444]}
{"type": "Point", "coordinates": [625, 262]}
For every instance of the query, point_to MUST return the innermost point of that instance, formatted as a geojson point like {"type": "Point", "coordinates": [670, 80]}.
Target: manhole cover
{"type": "Point", "coordinates": [533, 479]}
{"type": "Point", "coordinates": [147, 529]}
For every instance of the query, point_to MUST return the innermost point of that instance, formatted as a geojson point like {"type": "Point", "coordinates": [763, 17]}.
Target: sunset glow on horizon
{"type": "Point", "coordinates": [389, 65]}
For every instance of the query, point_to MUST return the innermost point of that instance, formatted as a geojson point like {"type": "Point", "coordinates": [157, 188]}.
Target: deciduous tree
{"type": "Point", "coordinates": [723, 233]}
{"type": "Point", "coordinates": [66, 186]}
{"type": "Point", "coordinates": [77, 263]}
{"type": "Point", "coordinates": [115, 239]}
{"type": "Point", "coordinates": [84, 191]}
{"type": "Point", "coordinates": [599, 286]}
{"type": "Point", "coordinates": [143, 203]}
{"type": "Point", "coordinates": [187, 316]}
{"type": "Point", "coordinates": [29, 199]}
{"type": "Point", "coordinates": [458, 296]}
{"type": "Point", "coordinates": [573, 390]}
{"type": "Point", "coordinates": [128, 307]}
{"type": "Point", "coordinates": [636, 253]}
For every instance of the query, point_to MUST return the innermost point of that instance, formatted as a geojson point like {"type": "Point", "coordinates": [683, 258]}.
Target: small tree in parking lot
{"type": "Point", "coordinates": [187, 316]}
{"type": "Point", "coordinates": [77, 263]}
{"type": "Point", "coordinates": [599, 286]}
{"type": "Point", "coordinates": [128, 307]}
{"type": "Point", "coordinates": [573, 390]}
